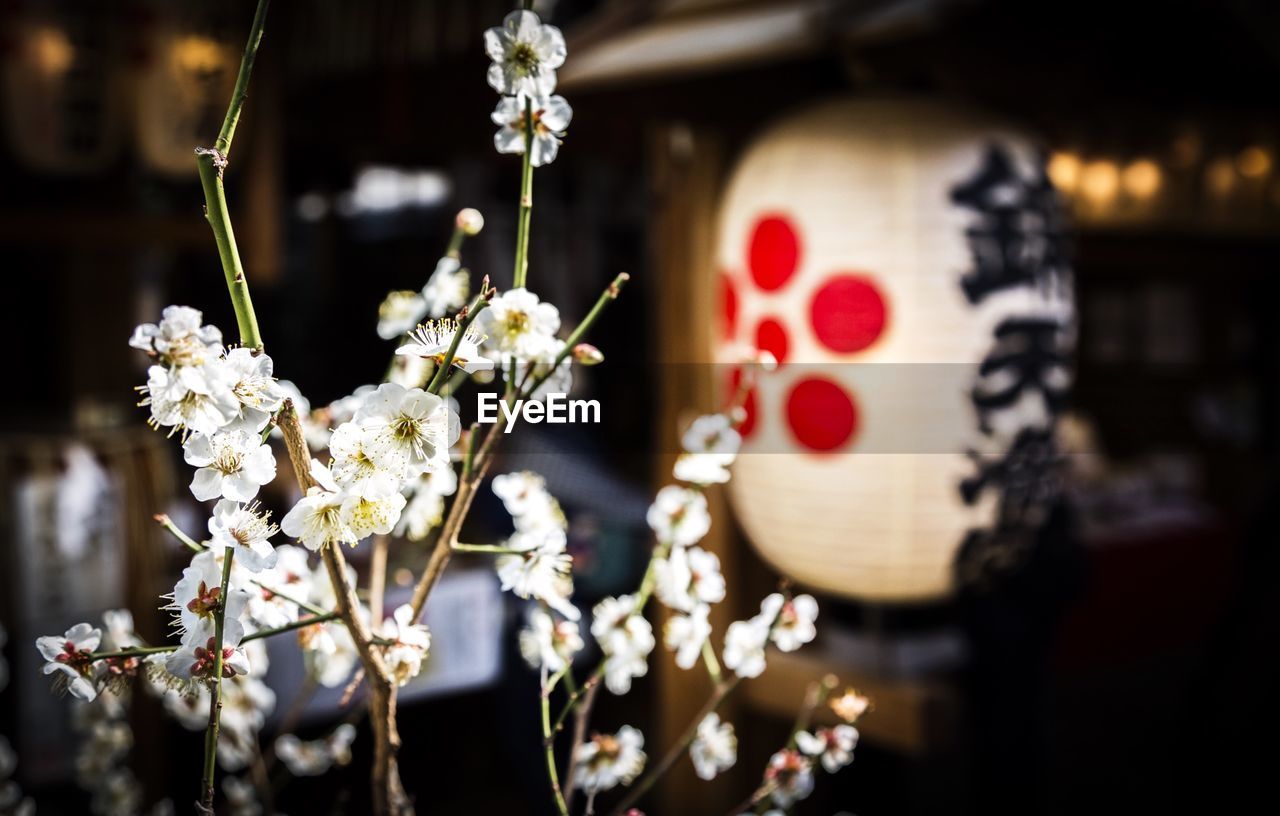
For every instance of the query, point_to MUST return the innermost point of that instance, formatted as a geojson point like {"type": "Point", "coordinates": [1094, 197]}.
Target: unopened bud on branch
{"type": "Point", "coordinates": [587, 354]}
{"type": "Point", "coordinates": [470, 221]}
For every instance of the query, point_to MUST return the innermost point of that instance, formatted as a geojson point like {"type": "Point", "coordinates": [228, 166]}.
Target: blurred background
{"type": "Point", "coordinates": [1105, 659]}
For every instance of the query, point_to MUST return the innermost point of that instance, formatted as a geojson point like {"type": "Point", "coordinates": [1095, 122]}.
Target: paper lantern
{"type": "Point", "coordinates": [62, 90]}
{"type": "Point", "coordinates": [903, 261]}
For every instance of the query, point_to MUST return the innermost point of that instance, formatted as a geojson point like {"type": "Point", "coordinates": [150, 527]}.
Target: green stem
{"type": "Point", "coordinates": [709, 658]}
{"type": "Point", "coordinates": [215, 699]}
{"type": "Point", "coordinates": [241, 92]}
{"type": "Point", "coordinates": [196, 546]}
{"type": "Point", "coordinates": [167, 523]}
{"type": "Point", "coordinates": [211, 162]}
{"type": "Point", "coordinates": [548, 741]}
{"type": "Point", "coordinates": [301, 623]}
{"type": "Point", "coordinates": [455, 242]}
{"type": "Point", "coordinates": [521, 271]}
{"type": "Point", "coordinates": [464, 323]}
{"type": "Point", "coordinates": [137, 651]}
{"type": "Point", "coordinates": [609, 295]}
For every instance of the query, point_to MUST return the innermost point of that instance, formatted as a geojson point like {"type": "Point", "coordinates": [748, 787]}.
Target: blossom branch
{"type": "Point", "coordinates": [465, 318]}
{"type": "Point", "coordinates": [521, 272]}
{"type": "Point", "coordinates": [167, 523]}
{"type": "Point", "coordinates": [609, 295]}
{"type": "Point", "coordinates": [388, 793]}
{"type": "Point", "coordinates": [581, 717]}
{"type": "Point", "coordinates": [215, 699]}
{"type": "Point", "coordinates": [718, 695]}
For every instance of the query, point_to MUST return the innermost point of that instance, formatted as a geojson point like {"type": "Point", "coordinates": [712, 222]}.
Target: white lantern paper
{"type": "Point", "coordinates": [903, 261]}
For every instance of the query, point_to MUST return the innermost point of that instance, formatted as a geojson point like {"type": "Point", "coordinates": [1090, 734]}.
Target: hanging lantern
{"type": "Point", "coordinates": [186, 72]}
{"type": "Point", "coordinates": [903, 261]}
{"type": "Point", "coordinates": [62, 94]}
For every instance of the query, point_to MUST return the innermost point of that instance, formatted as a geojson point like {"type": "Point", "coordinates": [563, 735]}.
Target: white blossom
{"type": "Point", "coordinates": [290, 575]}
{"type": "Point", "coordinates": [550, 642]}
{"type": "Point", "coordinates": [794, 626]}
{"type": "Point", "coordinates": [179, 340]}
{"type": "Point", "coordinates": [317, 519]}
{"type": "Point", "coordinates": [399, 312]}
{"type": "Point", "coordinates": [363, 463]}
{"type": "Point", "coordinates": [198, 593]}
{"type": "Point", "coordinates": [744, 643]}
{"type": "Point", "coordinates": [688, 577]}
{"type": "Point", "coordinates": [328, 653]}
{"type": "Point", "coordinates": [431, 341]}
{"type": "Point", "coordinates": [542, 570]}
{"type": "Point", "coordinates": [679, 516]}
{"type": "Point", "coordinates": [372, 515]}
{"type": "Point", "coordinates": [550, 116]}
{"type": "Point", "coordinates": [712, 433]}
{"type": "Point", "coordinates": [195, 399]}
{"type": "Point", "coordinates": [703, 468]}
{"type": "Point", "coordinates": [255, 388]}
{"type": "Point", "coordinates": [525, 496]}
{"type": "Point", "coordinates": [685, 634]}
{"type": "Point", "coordinates": [447, 288]}
{"type": "Point", "coordinates": [410, 642]}
{"type": "Point", "coordinates": [626, 639]}
{"type": "Point", "coordinates": [245, 528]}
{"type": "Point", "coordinates": [412, 422]}
{"type": "Point", "coordinates": [231, 464]}
{"type": "Point", "coordinates": [714, 748]}
{"type": "Point", "coordinates": [525, 54]}
{"type": "Point", "coordinates": [833, 745]}
{"type": "Point", "coordinates": [197, 656]}
{"type": "Point", "coordinates": [542, 351]}
{"type": "Point", "coordinates": [608, 760]}
{"type": "Point", "coordinates": [68, 656]}
{"type": "Point", "coordinates": [315, 757]}
{"type": "Point", "coordinates": [790, 775]}
{"type": "Point", "coordinates": [425, 508]}
{"type": "Point", "coordinates": [518, 323]}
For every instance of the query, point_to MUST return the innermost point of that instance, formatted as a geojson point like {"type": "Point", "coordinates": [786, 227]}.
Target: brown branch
{"type": "Point", "coordinates": [388, 793]}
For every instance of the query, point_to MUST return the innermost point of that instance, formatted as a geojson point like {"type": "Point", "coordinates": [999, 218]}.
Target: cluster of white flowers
{"type": "Point", "coordinates": [787, 622]}
{"type": "Point", "coordinates": [394, 436]}
{"type": "Point", "coordinates": [541, 567]}
{"type": "Point", "coordinates": [195, 386]}
{"type": "Point", "coordinates": [526, 54]}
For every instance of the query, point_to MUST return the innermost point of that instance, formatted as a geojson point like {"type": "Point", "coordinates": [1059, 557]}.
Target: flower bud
{"type": "Point", "coordinates": [587, 354]}
{"type": "Point", "coordinates": [470, 221]}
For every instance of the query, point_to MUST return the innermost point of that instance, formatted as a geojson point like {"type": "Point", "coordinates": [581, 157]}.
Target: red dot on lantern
{"type": "Point", "coordinates": [728, 307]}
{"type": "Point", "coordinates": [774, 252]}
{"type": "Point", "coordinates": [821, 414]}
{"type": "Point", "coordinates": [771, 336]}
{"type": "Point", "coordinates": [748, 406]}
{"type": "Point", "coordinates": [848, 313]}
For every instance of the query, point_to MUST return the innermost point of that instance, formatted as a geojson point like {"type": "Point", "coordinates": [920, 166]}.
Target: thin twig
{"type": "Point", "coordinates": [215, 697]}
